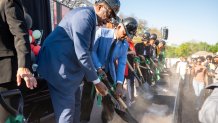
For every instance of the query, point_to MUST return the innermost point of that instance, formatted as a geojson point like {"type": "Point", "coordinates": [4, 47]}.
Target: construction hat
{"type": "Point", "coordinates": [153, 36]}
{"type": "Point", "coordinates": [113, 4]}
{"type": "Point", "coordinates": [130, 25]}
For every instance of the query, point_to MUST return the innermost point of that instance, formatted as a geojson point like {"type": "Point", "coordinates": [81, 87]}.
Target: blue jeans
{"type": "Point", "coordinates": [198, 87]}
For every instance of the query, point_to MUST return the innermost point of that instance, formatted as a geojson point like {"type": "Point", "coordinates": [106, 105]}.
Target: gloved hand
{"type": "Point", "coordinates": [119, 90]}
{"type": "Point", "coordinates": [101, 73]}
{"type": "Point", "coordinates": [142, 57]}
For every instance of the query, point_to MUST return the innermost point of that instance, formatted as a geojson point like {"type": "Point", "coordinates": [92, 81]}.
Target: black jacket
{"type": "Point", "coordinates": [141, 48]}
{"type": "Point", "coordinates": [14, 38]}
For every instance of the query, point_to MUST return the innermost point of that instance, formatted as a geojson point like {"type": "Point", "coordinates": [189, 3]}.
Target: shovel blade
{"type": "Point", "coordinates": [126, 116]}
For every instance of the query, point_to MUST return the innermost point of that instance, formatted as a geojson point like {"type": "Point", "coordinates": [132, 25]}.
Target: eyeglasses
{"type": "Point", "coordinates": [109, 12]}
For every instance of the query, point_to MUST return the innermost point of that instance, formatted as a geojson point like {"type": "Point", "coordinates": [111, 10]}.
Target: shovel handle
{"type": "Point", "coordinates": [131, 68]}
{"type": "Point", "coordinates": [122, 103]}
{"type": "Point", "coordinates": [143, 67]}
{"type": "Point", "coordinates": [8, 94]}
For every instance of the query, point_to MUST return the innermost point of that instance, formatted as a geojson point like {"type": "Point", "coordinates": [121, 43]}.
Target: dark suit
{"type": "Point", "coordinates": [14, 40]}
{"type": "Point", "coordinates": [65, 59]}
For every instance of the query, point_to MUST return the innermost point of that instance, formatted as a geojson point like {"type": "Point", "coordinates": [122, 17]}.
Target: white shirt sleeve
{"type": "Point", "coordinates": [96, 81]}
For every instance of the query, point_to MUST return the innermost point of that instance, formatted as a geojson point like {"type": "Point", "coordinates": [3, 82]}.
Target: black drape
{"type": "Point", "coordinates": [39, 10]}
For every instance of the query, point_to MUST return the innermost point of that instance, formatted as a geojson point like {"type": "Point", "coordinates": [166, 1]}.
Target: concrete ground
{"type": "Point", "coordinates": [160, 109]}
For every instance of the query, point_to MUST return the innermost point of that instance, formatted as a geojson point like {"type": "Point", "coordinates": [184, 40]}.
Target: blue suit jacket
{"type": "Point", "coordinates": [65, 57]}
{"type": "Point", "coordinates": [103, 40]}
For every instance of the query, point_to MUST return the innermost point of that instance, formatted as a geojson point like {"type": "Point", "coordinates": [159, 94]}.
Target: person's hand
{"type": "Point", "coordinates": [119, 90]}
{"type": "Point", "coordinates": [24, 73]}
{"type": "Point", "coordinates": [142, 57]}
{"type": "Point", "coordinates": [101, 88]}
{"type": "Point", "coordinates": [101, 73]}
{"type": "Point", "coordinates": [132, 53]}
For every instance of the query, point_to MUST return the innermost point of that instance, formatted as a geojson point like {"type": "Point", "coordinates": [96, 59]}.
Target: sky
{"type": "Point", "coordinates": [186, 20]}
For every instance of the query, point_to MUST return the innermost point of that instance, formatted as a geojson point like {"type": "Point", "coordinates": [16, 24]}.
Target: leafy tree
{"type": "Point", "coordinates": [142, 26]}
{"type": "Point", "coordinates": [170, 51]}
{"type": "Point", "coordinates": [214, 48]}
{"type": "Point", "coordinates": [188, 48]}
{"type": "Point", "coordinates": [156, 31]}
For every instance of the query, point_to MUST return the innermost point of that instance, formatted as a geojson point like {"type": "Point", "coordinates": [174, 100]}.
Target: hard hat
{"type": "Point", "coordinates": [146, 36]}
{"type": "Point", "coordinates": [130, 25]}
{"type": "Point", "coordinates": [153, 36]}
{"type": "Point", "coordinates": [113, 4]}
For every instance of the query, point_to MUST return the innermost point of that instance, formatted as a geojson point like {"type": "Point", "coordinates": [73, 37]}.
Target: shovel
{"type": "Point", "coordinates": [125, 115]}
{"type": "Point", "coordinates": [8, 94]}
{"type": "Point", "coordinates": [146, 86]}
{"type": "Point", "coordinates": [144, 89]}
{"type": "Point", "coordinates": [16, 114]}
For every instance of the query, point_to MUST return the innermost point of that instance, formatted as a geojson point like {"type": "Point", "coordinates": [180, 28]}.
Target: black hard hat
{"type": "Point", "coordinates": [163, 42]}
{"type": "Point", "coordinates": [130, 25]}
{"type": "Point", "coordinates": [116, 21]}
{"type": "Point", "coordinates": [153, 36]}
{"type": "Point", "coordinates": [113, 4]}
{"type": "Point", "coordinates": [146, 36]}
{"type": "Point", "coordinates": [156, 42]}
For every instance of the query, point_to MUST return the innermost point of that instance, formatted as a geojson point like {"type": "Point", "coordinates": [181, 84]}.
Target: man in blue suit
{"type": "Point", "coordinates": [109, 54]}
{"type": "Point", "coordinates": [65, 57]}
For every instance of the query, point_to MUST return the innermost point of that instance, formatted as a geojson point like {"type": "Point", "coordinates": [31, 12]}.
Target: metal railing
{"type": "Point", "coordinates": [177, 105]}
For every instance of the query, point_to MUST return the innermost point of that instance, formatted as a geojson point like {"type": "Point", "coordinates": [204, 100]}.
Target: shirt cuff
{"type": "Point", "coordinates": [98, 68]}
{"type": "Point", "coordinates": [96, 81]}
{"type": "Point", "coordinates": [120, 82]}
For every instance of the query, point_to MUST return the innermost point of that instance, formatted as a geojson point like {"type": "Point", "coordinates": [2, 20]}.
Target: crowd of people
{"type": "Point", "coordinates": [198, 74]}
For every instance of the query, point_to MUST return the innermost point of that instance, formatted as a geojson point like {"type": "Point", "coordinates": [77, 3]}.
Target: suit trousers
{"type": "Point", "coordinates": [87, 101]}
{"type": "Point", "coordinates": [66, 107]}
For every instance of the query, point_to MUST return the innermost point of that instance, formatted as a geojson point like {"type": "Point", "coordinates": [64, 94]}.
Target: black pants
{"type": "Point", "coordinates": [88, 96]}
{"type": "Point", "coordinates": [146, 74]}
{"type": "Point", "coordinates": [87, 101]}
{"type": "Point", "coordinates": [131, 77]}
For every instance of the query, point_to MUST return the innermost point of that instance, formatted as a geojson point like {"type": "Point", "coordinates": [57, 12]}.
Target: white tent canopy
{"type": "Point", "coordinates": [201, 53]}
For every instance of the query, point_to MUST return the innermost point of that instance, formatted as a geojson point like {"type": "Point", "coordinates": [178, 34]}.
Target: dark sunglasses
{"type": "Point", "coordinates": [109, 12]}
